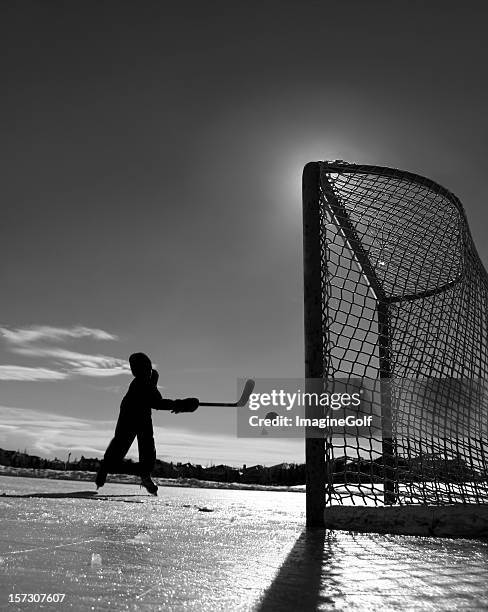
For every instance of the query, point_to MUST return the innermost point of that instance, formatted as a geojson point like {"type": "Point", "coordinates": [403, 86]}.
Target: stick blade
{"type": "Point", "coordinates": [246, 393]}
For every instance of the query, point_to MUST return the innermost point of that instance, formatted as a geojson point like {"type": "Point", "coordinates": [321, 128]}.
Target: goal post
{"type": "Point", "coordinates": [395, 295]}
{"type": "Point", "coordinates": [313, 323]}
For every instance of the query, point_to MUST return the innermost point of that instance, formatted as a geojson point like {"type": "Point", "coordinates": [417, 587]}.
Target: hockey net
{"type": "Point", "coordinates": [404, 305]}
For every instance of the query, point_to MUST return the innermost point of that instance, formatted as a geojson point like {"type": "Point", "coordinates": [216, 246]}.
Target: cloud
{"type": "Point", "coordinates": [23, 373]}
{"type": "Point", "coordinates": [51, 434]}
{"type": "Point", "coordinates": [80, 363]}
{"type": "Point", "coordinates": [24, 341]}
{"type": "Point", "coordinates": [35, 333]}
{"type": "Point", "coordinates": [102, 372]}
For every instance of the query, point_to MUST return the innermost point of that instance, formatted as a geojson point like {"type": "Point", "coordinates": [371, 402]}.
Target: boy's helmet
{"type": "Point", "coordinates": [140, 364]}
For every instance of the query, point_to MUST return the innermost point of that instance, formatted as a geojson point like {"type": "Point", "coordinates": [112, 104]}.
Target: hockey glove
{"type": "Point", "coordinates": [189, 404]}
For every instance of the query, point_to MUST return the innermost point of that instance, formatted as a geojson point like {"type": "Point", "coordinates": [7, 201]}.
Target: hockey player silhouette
{"type": "Point", "coordinates": [135, 421]}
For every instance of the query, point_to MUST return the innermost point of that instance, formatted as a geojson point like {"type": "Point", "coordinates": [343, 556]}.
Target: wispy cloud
{"type": "Point", "coordinates": [51, 434]}
{"type": "Point", "coordinates": [35, 333]}
{"type": "Point", "coordinates": [80, 363]}
{"type": "Point", "coordinates": [24, 373]}
{"type": "Point", "coordinates": [102, 372]}
{"type": "Point", "coordinates": [31, 342]}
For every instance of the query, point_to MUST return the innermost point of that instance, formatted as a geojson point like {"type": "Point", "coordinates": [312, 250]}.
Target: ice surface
{"type": "Point", "coordinates": [211, 550]}
{"type": "Point", "coordinates": [192, 549]}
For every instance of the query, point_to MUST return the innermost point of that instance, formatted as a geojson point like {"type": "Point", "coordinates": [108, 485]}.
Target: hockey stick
{"type": "Point", "coordinates": [242, 401]}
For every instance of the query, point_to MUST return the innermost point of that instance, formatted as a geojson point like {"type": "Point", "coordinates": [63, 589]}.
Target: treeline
{"type": "Point", "coordinates": [288, 474]}
{"type": "Point", "coordinates": [341, 469]}
{"type": "Point", "coordinates": [425, 467]}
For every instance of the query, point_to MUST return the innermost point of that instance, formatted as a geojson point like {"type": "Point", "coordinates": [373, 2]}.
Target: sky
{"type": "Point", "coordinates": [151, 196]}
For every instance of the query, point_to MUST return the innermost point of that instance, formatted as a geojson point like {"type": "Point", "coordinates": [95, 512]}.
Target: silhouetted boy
{"type": "Point", "coordinates": [135, 420]}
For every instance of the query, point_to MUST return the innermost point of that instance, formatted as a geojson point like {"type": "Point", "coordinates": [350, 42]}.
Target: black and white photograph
{"type": "Point", "coordinates": [244, 306]}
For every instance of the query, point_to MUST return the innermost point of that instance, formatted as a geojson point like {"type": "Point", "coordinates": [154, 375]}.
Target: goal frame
{"type": "Point", "coordinates": [466, 520]}
{"type": "Point", "coordinates": [315, 465]}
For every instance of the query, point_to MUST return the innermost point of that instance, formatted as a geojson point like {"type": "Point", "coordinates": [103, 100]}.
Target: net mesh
{"type": "Point", "coordinates": [404, 306]}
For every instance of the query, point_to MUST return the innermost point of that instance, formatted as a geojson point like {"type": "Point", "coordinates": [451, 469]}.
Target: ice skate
{"type": "Point", "coordinates": [149, 485]}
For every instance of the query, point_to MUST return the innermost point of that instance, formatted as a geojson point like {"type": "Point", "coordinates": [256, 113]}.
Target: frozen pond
{"type": "Point", "coordinates": [207, 550]}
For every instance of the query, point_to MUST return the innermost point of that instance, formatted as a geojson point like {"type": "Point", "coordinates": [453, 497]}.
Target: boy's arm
{"type": "Point", "coordinates": [189, 404]}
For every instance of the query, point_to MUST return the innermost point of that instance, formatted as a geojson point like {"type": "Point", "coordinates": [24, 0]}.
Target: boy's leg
{"type": "Point", "coordinates": [147, 458]}
{"type": "Point", "coordinates": [147, 451]}
{"type": "Point", "coordinates": [116, 451]}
